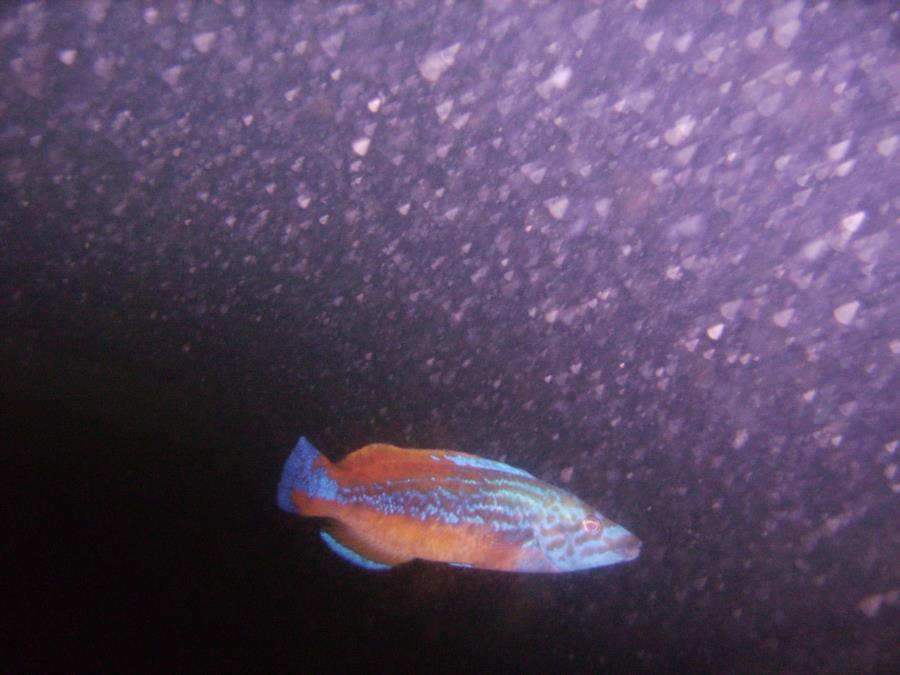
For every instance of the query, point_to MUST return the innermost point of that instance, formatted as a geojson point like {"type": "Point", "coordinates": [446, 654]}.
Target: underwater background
{"type": "Point", "coordinates": [646, 251]}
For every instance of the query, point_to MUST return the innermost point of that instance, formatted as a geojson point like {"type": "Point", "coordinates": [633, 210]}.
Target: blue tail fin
{"type": "Point", "coordinates": [298, 474]}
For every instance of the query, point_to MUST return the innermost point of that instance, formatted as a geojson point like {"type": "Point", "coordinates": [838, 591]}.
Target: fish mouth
{"type": "Point", "coordinates": [629, 547]}
{"type": "Point", "coordinates": [626, 546]}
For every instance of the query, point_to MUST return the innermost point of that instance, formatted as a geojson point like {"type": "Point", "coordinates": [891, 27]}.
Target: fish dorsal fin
{"type": "Point", "coordinates": [382, 453]}
{"type": "Point", "coordinates": [350, 546]}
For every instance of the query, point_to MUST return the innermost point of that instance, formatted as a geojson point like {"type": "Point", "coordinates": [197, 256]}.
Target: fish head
{"type": "Point", "coordinates": [577, 537]}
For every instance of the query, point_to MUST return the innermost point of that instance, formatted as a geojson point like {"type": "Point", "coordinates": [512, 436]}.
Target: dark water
{"type": "Point", "coordinates": [653, 246]}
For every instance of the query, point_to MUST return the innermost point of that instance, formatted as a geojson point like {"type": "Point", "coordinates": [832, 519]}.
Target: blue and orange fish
{"type": "Point", "coordinates": [387, 505]}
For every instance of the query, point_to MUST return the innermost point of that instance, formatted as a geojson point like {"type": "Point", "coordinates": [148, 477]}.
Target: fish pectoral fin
{"type": "Point", "coordinates": [524, 537]}
{"type": "Point", "coordinates": [343, 541]}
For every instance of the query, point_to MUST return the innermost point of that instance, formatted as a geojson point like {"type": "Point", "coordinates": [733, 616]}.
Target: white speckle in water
{"type": "Point", "coordinates": [802, 197]}
{"type": "Point", "coordinates": [849, 408]}
{"type": "Point", "coordinates": [534, 171]}
{"type": "Point", "coordinates": [374, 105]}
{"type": "Point", "coordinates": [715, 332]}
{"type": "Point", "coordinates": [171, 75]}
{"type": "Point", "coordinates": [837, 151]}
{"type": "Point", "coordinates": [785, 33]}
{"type": "Point", "coordinates": [871, 605]}
{"type": "Point", "coordinates": [331, 44]}
{"type": "Point", "coordinates": [809, 395]}
{"type": "Point", "coordinates": [895, 346]}
{"type": "Point", "coordinates": [557, 206]}
{"type": "Point", "coordinates": [247, 120]}
{"type": "Point", "coordinates": [786, 23]}
{"type": "Point", "coordinates": [460, 121]}
{"type": "Point", "coordinates": [850, 224]}
{"type": "Point", "coordinates": [845, 313]}
{"type": "Point", "coordinates": [68, 56]}
{"type": "Point", "coordinates": [303, 201]}
{"type": "Point", "coordinates": [361, 146]}
{"type": "Point", "coordinates": [714, 54]}
{"type": "Point", "coordinates": [583, 26]}
{"type": "Point", "coordinates": [740, 439]}
{"type": "Point", "coordinates": [436, 63]}
{"type": "Point", "coordinates": [730, 309]}
{"type": "Point", "coordinates": [755, 39]}
{"type": "Point", "coordinates": [844, 168]}
{"type": "Point", "coordinates": [551, 316]}
{"type": "Point", "coordinates": [443, 110]}
{"type": "Point", "coordinates": [601, 206]}
{"type": "Point", "coordinates": [813, 249]}
{"type": "Point", "coordinates": [683, 42]}
{"type": "Point", "coordinates": [479, 274]}
{"type": "Point", "coordinates": [680, 131]}
{"type": "Point", "coordinates": [557, 81]}
{"type": "Point", "coordinates": [783, 318]}
{"type": "Point", "coordinates": [690, 226]}
{"type": "Point", "coordinates": [887, 146]}
{"type": "Point", "coordinates": [782, 162]}
{"type": "Point", "coordinates": [770, 104]}
{"type": "Point", "coordinates": [403, 209]}
{"type": "Point", "coordinates": [203, 42]}
{"type": "Point", "coordinates": [652, 42]}
{"type": "Point", "coordinates": [686, 154]}
{"type": "Point", "coordinates": [565, 476]}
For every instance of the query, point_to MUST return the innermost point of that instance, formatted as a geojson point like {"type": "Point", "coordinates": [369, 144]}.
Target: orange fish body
{"type": "Point", "coordinates": [388, 505]}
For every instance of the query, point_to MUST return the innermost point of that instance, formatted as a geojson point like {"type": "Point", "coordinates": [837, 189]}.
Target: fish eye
{"type": "Point", "coordinates": [590, 525]}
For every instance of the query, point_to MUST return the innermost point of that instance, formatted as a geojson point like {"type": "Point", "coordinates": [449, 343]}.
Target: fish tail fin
{"type": "Point", "coordinates": [302, 472]}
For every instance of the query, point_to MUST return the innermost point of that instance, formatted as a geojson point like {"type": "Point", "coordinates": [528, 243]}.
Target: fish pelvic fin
{"type": "Point", "coordinates": [359, 551]}
{"type": "Point", "coordinates": [305, 472]}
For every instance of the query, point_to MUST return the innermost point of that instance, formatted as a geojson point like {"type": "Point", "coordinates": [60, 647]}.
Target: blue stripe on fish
{"type": "Point", "coordinates": [462, 459]}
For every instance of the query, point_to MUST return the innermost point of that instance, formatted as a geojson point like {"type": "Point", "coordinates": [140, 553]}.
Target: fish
{"type": "Point", "coordinates": [384, 506]}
